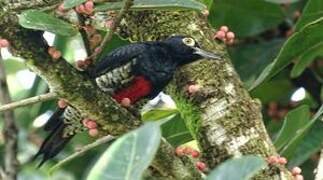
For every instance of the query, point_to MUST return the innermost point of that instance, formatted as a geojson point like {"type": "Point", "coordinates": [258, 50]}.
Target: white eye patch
{"type": "Point", "coordinates": [189, 42]}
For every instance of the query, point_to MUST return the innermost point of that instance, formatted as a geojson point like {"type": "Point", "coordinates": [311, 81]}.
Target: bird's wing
{"type": "Point", "coordinates": [117, 58]}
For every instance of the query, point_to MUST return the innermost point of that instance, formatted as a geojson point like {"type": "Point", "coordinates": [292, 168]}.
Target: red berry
{"type": "Point", "coordinates": [224, 28]}
{"type": "Point", "coordinates": [91, 124]}
{"type": "Point", "coordinates": [97, 50]}
{"type": "Point", "coordinates": [56, 55]}
{"type": "Point", "coordinates": [192, 89]}
{"type": "Point", "coordinates": [272, 160]}
{"type": "Point", "coordinates": [179, 151]}
{"type": "Point", "coordinates": [109, 23]}
{"type": "Point", "coordinates": [195, 154]}
{"type": "Point", "coordinates": [230, 35]}
{"type": "Point", "coordinates": [4, 43]}
{"type": "Point", "coordinates": [298, 177]}
{"type": "Point", "coordinates": [93, 132]}
{"type": "Point", "coordinates": [61, 103]}
{"type": "Point", "coordinates": [81, 8]}
{"type": "Point", "coordinates": [80, 64]}
{"type": "Point", "coordinates": [125, 102]}
{"type": "Point", "coordinates": [88, 7]}
{"type": "Point", "coordinates": [87, 62]}
{"type": "Point", "coordinates": [85, 121]}
{"type": "Point", "coordinates": [61, 8]}
{"type": "Point", "coordinates": [200, 166]}
{"type": "Point", "coordinates": [220, 35]}
{"type": "Point", "coordinates": [296, 170]}
{"type": "Point", "coordinates": [282, 160]}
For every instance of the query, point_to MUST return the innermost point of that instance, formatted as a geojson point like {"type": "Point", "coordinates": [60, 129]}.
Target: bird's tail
{"type": "Point", "coordinates": [55, 141]}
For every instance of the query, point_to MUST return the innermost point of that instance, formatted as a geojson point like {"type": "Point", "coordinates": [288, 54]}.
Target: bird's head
{"type": "Point", "coordinates": [186, 49]}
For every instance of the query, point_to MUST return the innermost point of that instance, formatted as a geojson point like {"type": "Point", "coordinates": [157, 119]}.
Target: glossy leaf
{"type": "Point", "coordinates": [69, 46]}
{"type": "Point", "coordinates": [311, 12]}
{"type": "Point", "coordinates": [282, 1]}
{"type": "Point", "coordinates": [129, 156]}
{"type": "Point", "coordinates": [34, 19]}
{"type": "Point", "coordinates": [255, 56]}
{"type": "Point", "coordinates": [245, 18]}
{"type": "Point", "coordinates": [293, 143]}
{"type": "Point", "coordinates": [307, 38]}
{"type": "Point", "coordinates": [176, 132]}
{"type": "Point", "coordinates": [242, 168]}
{"type": "Point", "coordinates": [306, 59]}
{"type": "Point", "coordinates": [157, 114]}
{"type": "Point", "coordinates": [14, 65]}
{"type": "Point", "coordinates": [154, 5]}
{"type": "Point", "coordinates": [294, 120]}
{"type": "Point", "coordinates": [72, 3]}
{"type": "Point", "coordinates": [208, 3]}
{"type": "Point", "coordinates": [311, 144]}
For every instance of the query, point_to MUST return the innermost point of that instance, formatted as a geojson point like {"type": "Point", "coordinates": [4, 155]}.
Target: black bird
{"type": "Point", "coordinates": [131, 72]}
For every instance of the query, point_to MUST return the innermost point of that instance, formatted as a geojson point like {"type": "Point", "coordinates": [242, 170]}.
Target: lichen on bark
{"type": "Point", "coordinates": [228, 122]}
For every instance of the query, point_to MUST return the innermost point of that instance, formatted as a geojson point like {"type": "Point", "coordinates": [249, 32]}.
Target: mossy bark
{"type": "Point", "coordinates": [222, 116]}
{"type": "Point", "coordinates": [81, 92]}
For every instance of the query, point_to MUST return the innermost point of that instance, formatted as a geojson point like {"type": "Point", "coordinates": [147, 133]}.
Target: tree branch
{"type": "Point", "coordinates": [81, 92]}
{"type": "Point", "coordinates": [83, 150]}
{"type": "Point", "coordinates": [126, 6]}
{"type": "Point", "coordinates": [222, 116]}
{"type": "Point", "coordinates": [10, 130]}
{"type": "Point", "coordinates": [28, 101]}
{"type": "Point", "coordinates": [319, 169]}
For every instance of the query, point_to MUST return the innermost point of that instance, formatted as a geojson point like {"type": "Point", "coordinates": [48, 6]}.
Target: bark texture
{"type": "Point", "coordinates": [81, 92]}
{"type": "Point", "coordinates": [222, 116]}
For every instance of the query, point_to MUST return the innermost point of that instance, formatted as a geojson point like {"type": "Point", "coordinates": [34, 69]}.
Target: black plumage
{"type": "Point", "coordinates": [156, 61]}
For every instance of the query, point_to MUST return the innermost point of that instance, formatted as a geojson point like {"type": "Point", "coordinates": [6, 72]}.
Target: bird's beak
{"type": "Point", "coordinates": [206, 54]}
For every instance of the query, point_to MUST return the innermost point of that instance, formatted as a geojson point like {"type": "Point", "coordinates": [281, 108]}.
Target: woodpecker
{"type": "Point", "coordinates": [135, 71]}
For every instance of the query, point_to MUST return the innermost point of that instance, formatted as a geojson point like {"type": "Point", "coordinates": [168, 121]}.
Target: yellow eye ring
{"type": "Point", "coordinates": [189, 42]}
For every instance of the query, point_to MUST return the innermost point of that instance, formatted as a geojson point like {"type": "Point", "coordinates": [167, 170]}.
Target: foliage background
{"type": "Point", "coordinates": [262, 27]}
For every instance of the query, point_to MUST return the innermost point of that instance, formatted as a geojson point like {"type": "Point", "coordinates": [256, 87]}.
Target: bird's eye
{"type": "Point", "coordinates": [189, 42]}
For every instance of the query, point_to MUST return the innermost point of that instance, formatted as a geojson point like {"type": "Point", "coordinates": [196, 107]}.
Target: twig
{"type": "Point", "coordinates": [84, 149]}
{"type": "Point", "coordinates": [319, 170]}
{"type": "Point", "coordinates": [84, 34]}
{"type": "Point", "coordinates": [2, 174]}
{"type": "Point", "coordinates": [126, 6]}
{"type": "Point", "coordinates": [10, 130]}
{"type": "Point", "coordinates": [28, 101]}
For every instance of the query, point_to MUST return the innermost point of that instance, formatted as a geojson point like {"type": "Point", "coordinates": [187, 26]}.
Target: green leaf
{"type": "Point", "coordinates": [129, 156]}
{"type": "Point", "coordinates": [255, 56]}
{"type": "Point", "coordinates": [282, 1]}
{"type": "Point", "coordinates": [294, 120]}
{"type": "Point", "coordinates": [72, 3]}
{"type": "Point", "coordinates": [306, 59]}
{"type": "Point", "coordinates": [154, 5]}
{"type": "Point", "coordinates": [34, 19]}
{"type": "Point", "coordinates": [69, 46]}
{"type": "Point", "coordinates": [13, 65]}
{"type": "Point", "coordinates": [208, 3]}
{"type": "Point", "coordinates": [176, 132]}
{"type": "Point", "coordinates": [158, 114]}
{"type": "Point", "coordinates": [311, 12]}
{"type": "Point", "coordinates": [245, 18]}
{"type": "Point", "coordinates": [307, 38]}
{"type": "Point", "coordinates": [289, 149]}
{"type": "Point", "coordinates": [242, 168]}
{"type": "Point", "coordinates": [311, 144]}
